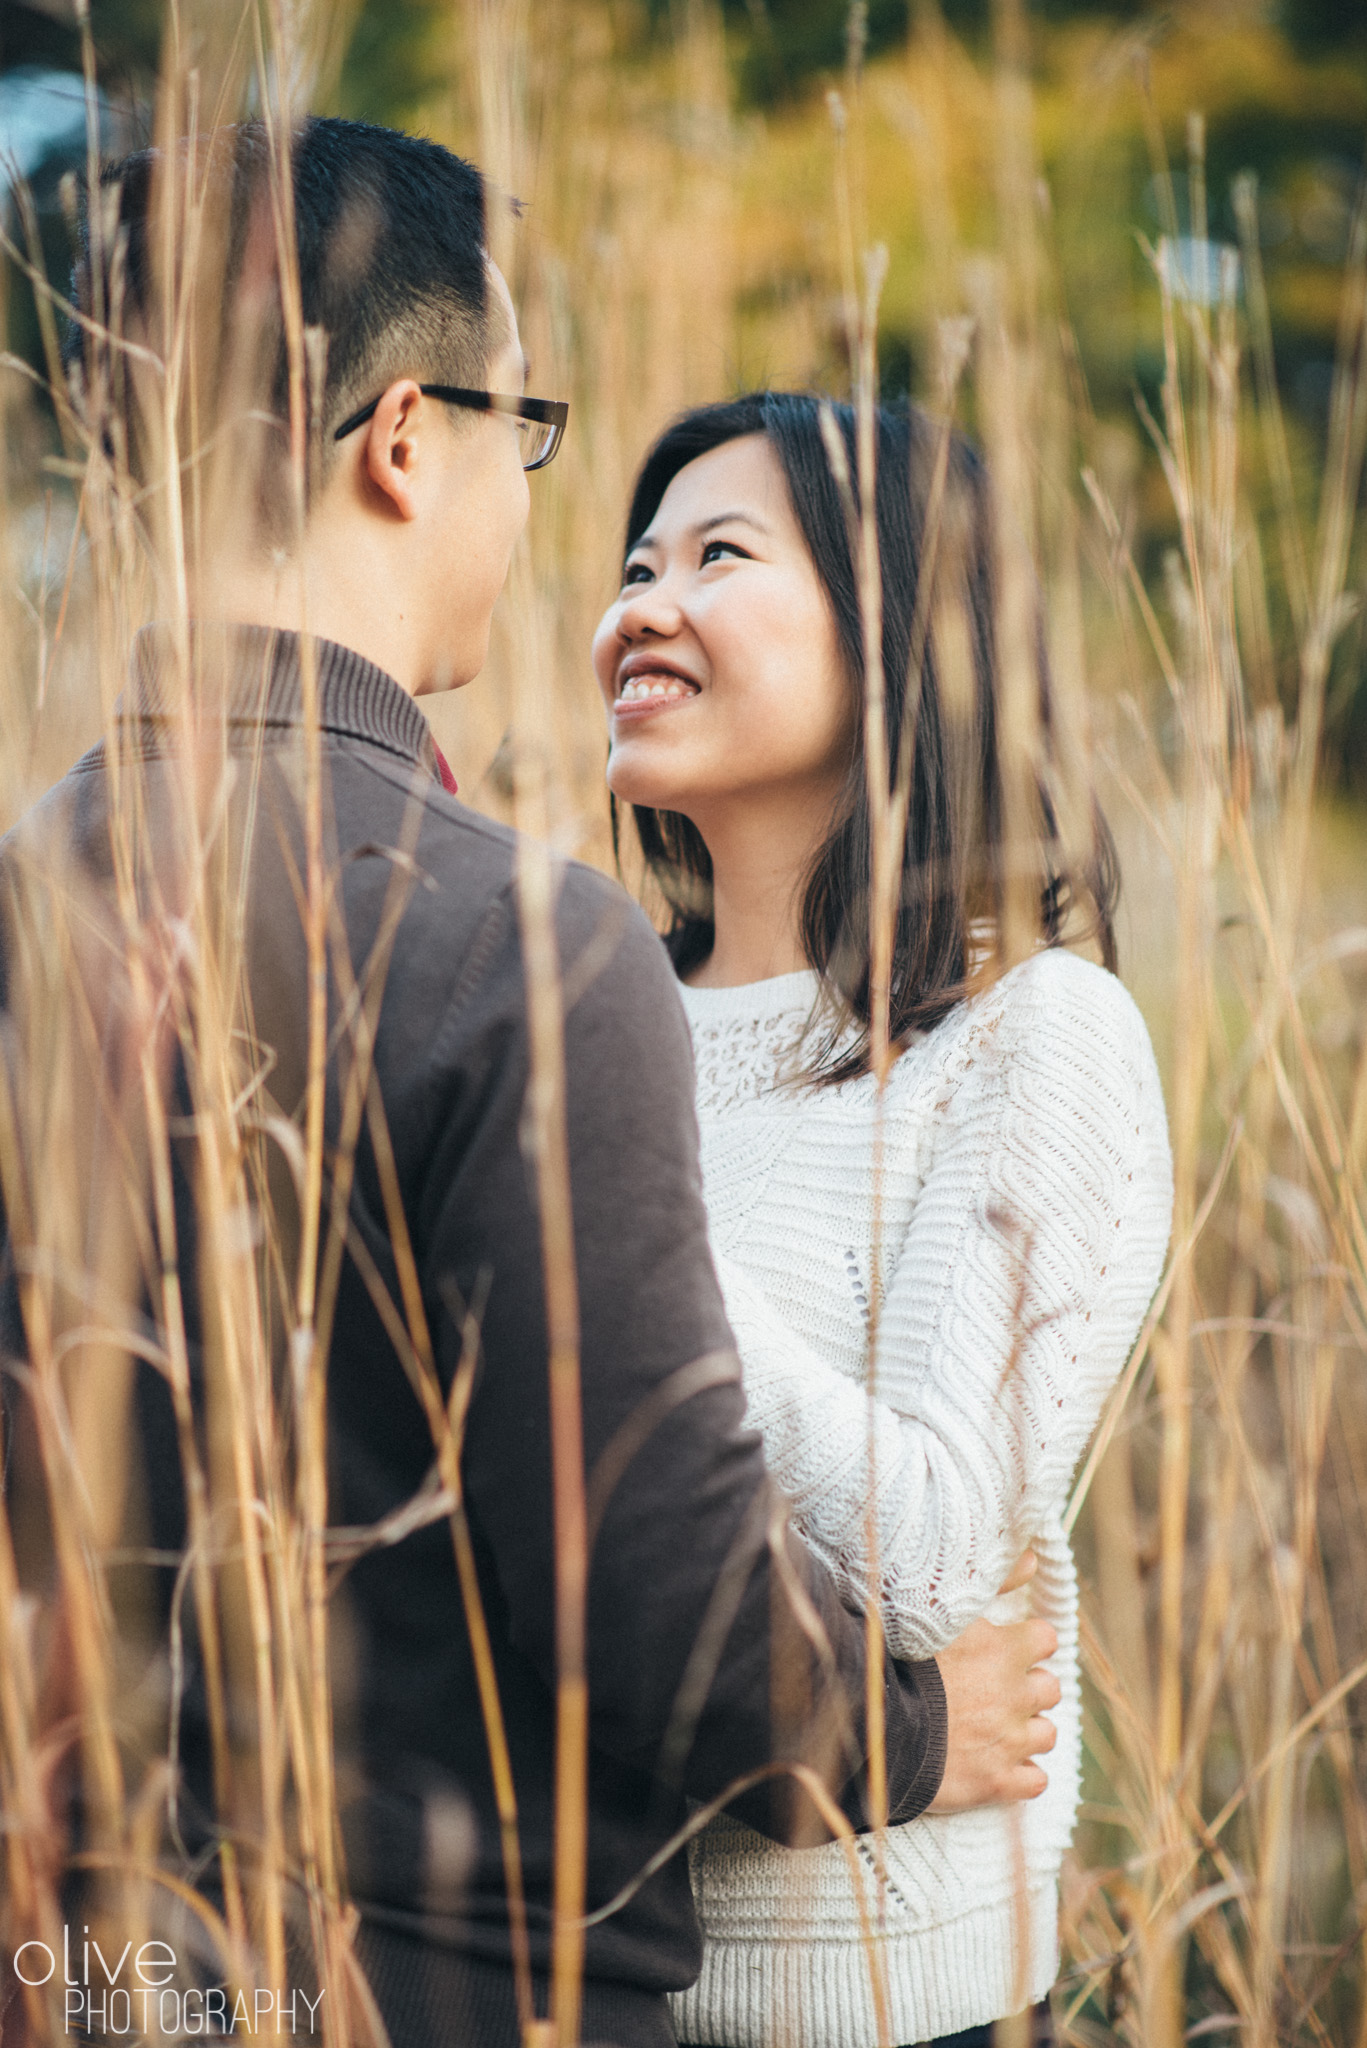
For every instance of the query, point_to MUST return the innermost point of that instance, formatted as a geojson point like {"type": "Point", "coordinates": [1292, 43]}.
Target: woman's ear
{"type": "Point", "coordinates": [390, 460]}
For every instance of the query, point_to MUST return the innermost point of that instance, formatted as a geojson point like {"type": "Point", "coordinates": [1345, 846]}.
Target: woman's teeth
{"type": "Point", "coordinates": [653, 686]}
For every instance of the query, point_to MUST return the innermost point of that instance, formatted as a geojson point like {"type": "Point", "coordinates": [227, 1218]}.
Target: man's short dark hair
{"type": "Point", "coordinates": [392, 266]}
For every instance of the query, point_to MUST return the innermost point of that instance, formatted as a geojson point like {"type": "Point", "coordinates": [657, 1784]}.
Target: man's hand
{"type": "Point", "coordinates": [998, 1699]}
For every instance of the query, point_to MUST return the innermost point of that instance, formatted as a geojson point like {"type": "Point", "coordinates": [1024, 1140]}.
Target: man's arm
{"type": "Point", "coordinates": [716, 1644]}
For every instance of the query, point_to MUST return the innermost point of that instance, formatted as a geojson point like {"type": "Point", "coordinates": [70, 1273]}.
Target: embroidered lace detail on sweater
{"type": "Point", "coordinates": [745, 1052]}
{"type": "Point", "coordinates": [1025, 1207]}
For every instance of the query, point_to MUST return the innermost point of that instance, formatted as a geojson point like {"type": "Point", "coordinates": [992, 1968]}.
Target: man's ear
{"type": "Point", "coordinates": [390, 458]}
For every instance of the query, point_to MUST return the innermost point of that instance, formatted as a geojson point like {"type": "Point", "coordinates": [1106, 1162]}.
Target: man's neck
{"type": "Point", "coordinates": [296, 595]}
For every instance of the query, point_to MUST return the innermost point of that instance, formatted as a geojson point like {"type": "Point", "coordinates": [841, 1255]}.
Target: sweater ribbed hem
{"type": "Point", "coordinates": [817, 1994]}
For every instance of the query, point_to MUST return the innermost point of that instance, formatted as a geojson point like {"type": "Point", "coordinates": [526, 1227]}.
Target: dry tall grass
{"type": "Point", "coordinates": [1220, 1880]}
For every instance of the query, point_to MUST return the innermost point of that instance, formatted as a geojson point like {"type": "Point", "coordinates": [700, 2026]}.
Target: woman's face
{"type": "Point", "coordinates": [719, 661]}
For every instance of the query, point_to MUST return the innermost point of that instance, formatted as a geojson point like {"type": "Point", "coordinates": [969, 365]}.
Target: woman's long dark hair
{"type": "Point", "coordinates": [953, 878]}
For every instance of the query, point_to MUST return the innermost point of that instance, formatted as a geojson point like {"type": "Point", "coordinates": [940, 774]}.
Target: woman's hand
{"type": "Point", "coordinates": [998, 1699]}
{"type": "Point", "coordinates": [1020, 1574]}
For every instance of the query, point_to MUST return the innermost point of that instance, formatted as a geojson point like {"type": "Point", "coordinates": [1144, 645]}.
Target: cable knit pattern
{"type": "Point", "coordinates": [1023, 1215]}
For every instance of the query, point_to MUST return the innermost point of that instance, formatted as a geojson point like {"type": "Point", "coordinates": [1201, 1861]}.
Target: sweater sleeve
{"type": "Point", "coordinates": [1033, 1250]}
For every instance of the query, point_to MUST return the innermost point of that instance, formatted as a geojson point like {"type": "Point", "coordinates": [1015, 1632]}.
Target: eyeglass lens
{"type": "Point", "coordinates": [536, 439]}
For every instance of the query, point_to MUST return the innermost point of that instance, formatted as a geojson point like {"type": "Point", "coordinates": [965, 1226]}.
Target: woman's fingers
{"type": "Point", "coordinates": [1040, 1639]}
{"type": "Point", "coordinates": [1040, 1735]}
{"type": "Point", "coordinates": [998, 1695]}
{"type": "Point", "coordinates": [1021, 1572]}
{"type": "Point", "coordinates": [1043, 1691]}
{"type": "Point", "coordinates": [1027, 1782]}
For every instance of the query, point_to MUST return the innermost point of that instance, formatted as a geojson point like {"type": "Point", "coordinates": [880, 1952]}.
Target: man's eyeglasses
{"type": "Point", "coordinates": [540, 421]}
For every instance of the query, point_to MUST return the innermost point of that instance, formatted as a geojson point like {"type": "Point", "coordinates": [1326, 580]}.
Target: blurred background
{"type": "Point", "coordinates": [1159, 210]}
{"type": "Point", "coordinates": [675, 165]}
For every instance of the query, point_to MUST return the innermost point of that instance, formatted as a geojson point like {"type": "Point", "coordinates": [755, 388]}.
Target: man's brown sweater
{"type": "Point", "coordinates": [680, 1557]}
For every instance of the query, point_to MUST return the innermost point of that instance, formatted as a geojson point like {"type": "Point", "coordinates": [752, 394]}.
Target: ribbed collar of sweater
{"type": "Point", "coordinates": [773, 1001]}
{"type": "Point", "coordinates": [255, 673]}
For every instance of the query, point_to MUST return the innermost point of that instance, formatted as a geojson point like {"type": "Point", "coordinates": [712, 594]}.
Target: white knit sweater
{"type": "Point", "coordinates": [1025, 1207]}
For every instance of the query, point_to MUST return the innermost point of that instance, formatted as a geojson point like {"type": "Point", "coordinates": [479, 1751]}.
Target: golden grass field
{"type": "Point", "coordinates": [1199, 572]}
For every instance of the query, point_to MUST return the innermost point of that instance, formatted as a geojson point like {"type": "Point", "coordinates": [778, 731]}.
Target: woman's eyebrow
{"type": "Point", "coordinates": [726, 518]}
{"type": "Point", "coordinates": [648, 540]}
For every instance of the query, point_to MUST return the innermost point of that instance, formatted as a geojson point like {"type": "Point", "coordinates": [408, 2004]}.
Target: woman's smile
{"type": "Point", "coordinates": [645, 683]}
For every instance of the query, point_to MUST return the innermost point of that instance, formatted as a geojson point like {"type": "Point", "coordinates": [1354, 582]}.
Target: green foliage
{"type": "Point", "coordinates": [126, 33]}
{"type": "Point", "coordinates": [389, 68]}
{"type": "Point", "coordinates": [784, 42]}
{"type": "Point", "coordinates": [1320, 25]}
{"type": "Point", "coordinates": [782, 46]}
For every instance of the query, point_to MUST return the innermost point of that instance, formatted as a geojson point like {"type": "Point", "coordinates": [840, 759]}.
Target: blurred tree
{"type": "Point", "coordinates": [127, 36]}
{"type": "Point", "coordinates": [783, 43]}
{"type": "Point", "coordinates": [40, 49]}
{"type": "Point", "coordinates": [1316, 25]}
{"type": "Point", "coordinates": [390, 67]}
{"type": "Point", "coordinates": [386, 74]}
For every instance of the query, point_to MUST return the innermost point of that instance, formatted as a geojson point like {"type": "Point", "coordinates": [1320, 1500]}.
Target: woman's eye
{"type": "Point", "coordinates": [635, 572]}
{"type": "Point", "coordinates": [715, 549]}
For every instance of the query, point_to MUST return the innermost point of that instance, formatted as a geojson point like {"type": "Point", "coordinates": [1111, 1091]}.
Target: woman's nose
{"type": "Point", "coordinates": [649, 608]}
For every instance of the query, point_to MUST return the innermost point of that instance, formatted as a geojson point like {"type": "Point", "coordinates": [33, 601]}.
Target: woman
{"type": "Point", "coordinates": [995, 1220]}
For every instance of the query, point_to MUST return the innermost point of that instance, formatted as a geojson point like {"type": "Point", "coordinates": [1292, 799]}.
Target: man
{"type": "Point", "coordinates": [712, 1651]}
